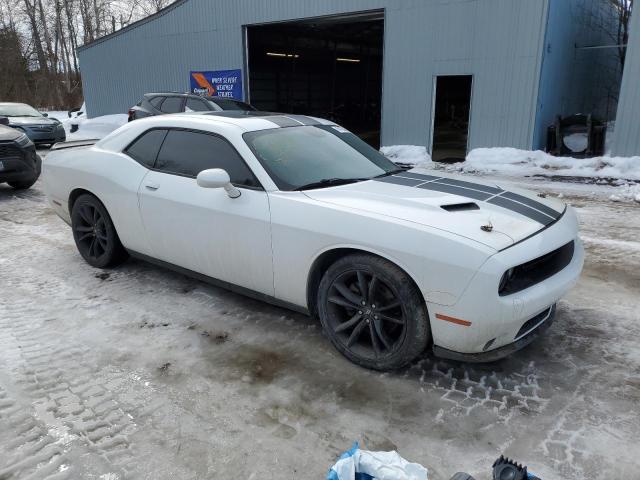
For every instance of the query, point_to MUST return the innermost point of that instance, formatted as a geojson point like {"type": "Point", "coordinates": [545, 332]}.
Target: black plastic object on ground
{"type": "Point", "coordinates": [577, 136]}
{"type": "Point", "coordinates": [505, 469]}
{"type": "Point", "coordinates": [462, 476]}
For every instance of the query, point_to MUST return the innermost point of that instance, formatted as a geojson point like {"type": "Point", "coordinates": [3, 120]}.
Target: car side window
{"type": "Point", "coordinates": [156, 101]}
{"type": "Point", "coordinates": [188, 153]}
{"type": "Point", "coordinates": [146, 147]}
{"type": "Point", "coordinates": [195, 105]}
{"type": "Point", "coordinates": [171, 105]}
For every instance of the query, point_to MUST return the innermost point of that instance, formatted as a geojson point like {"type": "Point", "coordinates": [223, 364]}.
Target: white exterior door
{"type": "Point", "coordinates": [203, 229]}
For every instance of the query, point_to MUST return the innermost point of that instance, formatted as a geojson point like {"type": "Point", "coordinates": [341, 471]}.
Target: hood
{"type": "Point", "coordinates": [24, 121]}
{"type": "Point", "coordinates": [450, 203]}
{"type": "Point", "coordinates": [8, 134]}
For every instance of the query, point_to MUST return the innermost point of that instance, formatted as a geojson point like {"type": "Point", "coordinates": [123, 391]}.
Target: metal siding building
{"type": "Point", "coordinates": [499, 42]}
{"type": "Point", "coordinates": [626, 136]}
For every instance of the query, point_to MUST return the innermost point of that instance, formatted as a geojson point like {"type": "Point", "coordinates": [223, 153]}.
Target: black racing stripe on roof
{"type": "Point", "coordinates": [283, 121]}
{"type": "Point", "coordinates": [473, 185]}
{"type": "Point", "coordinates": [454, 190]}
{"type": "Point", "coordinates": [408, 182]}
{"type": "Point", "coordinates": [522, 210]}
{"type": "Point", "coordinates": [532, 203]}
{"type": "Point", "coordinates": [305, 120]}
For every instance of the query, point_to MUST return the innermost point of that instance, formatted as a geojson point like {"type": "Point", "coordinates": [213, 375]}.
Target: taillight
{"type": "Point", "coordinates": [131, 114]}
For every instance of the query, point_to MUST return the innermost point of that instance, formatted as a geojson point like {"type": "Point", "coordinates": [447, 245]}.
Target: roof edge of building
{"type": "Point", "coordinates": [134, 25]}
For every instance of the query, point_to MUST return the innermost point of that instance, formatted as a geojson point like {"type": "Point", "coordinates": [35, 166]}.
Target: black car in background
{"type": "Point", "coordinates": [170, 102]}
{"type": "Point", "coordinates": [20, 166]}
{"type": "Point", "coordinates": [37, 126]}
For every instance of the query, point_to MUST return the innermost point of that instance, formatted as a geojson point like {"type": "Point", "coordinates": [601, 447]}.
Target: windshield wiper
{"type": "Point", "coordinates": [329, 182]}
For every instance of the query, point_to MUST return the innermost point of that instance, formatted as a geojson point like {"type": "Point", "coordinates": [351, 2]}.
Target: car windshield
{"type": "Point", "coordinates": [315, 156]}
{"type": "Point", "coordinates": [18, 110]}
{"type": "Point", "coordinates": [230, 104]}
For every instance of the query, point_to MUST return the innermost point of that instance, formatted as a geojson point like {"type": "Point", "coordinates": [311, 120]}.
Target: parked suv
{"type": "Point", "coordinates": [19, 164]}
{"type": "Point", "coordinates": [170, 102]}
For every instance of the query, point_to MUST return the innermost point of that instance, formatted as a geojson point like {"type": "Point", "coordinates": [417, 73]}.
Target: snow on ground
{"type": "Point", "coordinates": [408, 155]}
{"type": "Point", "coordinates": [138, 372]}
{"type": "Point", "coordinates": [623, 173]}
{"type": "Point", "coordinates": [89, 128]}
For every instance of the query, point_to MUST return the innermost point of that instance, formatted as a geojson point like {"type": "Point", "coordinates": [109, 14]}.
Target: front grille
{"type": "Point", "coordinates": [42, 128]}
{"type": "Point", "coordinates": [10, 151]}
{"type": "Point", "coordinates": [533, 322]}
{"type": "Point", "coordinates": [535, 271]}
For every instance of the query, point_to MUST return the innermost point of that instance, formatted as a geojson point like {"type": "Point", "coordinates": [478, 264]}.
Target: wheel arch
{"type": "Point", "coordinates": [75, 194]}
{"type": "Point", "coordinates": [327, 257]}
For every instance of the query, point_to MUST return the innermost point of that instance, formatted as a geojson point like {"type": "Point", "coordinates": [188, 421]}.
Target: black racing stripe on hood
{"type": "Point", "coordinates": [533, 214]}
{"type": "Point", "coordinates": [454, 190]}
{"type": "Point", "coordinates": [532, 203]}
{"type": "Point", "coordinates": [407, 182]}
{"type": "Point", "coordinates": [472, 185]}
{"type": "Point", "coordinates": [418, 176]}
{"type": "Point", "coordinates": [511, 201]}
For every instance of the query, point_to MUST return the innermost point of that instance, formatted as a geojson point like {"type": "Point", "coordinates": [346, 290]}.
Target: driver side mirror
{"type": "Point", "coordinates": [4, 120]}
{"type": "Point", "coordinates": [217, 178]}
{"type": "Point", "coordinates": [45, 114]}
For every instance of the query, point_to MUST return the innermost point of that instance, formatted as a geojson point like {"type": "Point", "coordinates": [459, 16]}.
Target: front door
{"type": "Point", "coordinates": [203, 229]}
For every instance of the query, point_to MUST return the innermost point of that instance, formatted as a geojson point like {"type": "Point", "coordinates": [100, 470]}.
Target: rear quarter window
{"type": "Point", "coordinates": [172, 105]}
{"type": "Point", "coordinates": [156, 101]}
{"type": "Point", "coordinates": [145, 148]}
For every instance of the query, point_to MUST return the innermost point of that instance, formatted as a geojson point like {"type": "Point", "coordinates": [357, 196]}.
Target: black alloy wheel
{"type": "Point", "coordinates": [94, 233]}
{"type": "Point", "coordinates": [372, 312]}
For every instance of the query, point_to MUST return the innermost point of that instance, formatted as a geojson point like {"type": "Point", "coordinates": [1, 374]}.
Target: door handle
{"type": "Point", "coordinates": [152, 186]}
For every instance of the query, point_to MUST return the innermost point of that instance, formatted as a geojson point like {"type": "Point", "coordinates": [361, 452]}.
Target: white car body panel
{"type": "Point", "coordinates": [267, 240]}
{"type": "Point", "coordinates": [203, 230]}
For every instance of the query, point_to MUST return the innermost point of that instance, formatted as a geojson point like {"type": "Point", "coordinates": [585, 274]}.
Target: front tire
{"type": "Point", "coordinates": [372, 312]}
{"type": "Point", "coordinates": [94, 233]}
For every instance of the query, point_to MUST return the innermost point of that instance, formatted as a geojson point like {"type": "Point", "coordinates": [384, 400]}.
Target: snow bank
{"type": "Point", "coordinates": [413, 155]}
{"type": "Point", "coordinates": [626, 193]}
{"type": "Point", "coordinates": [522, 162]}
{"type": "Point", "coordinates": [512, 161]}
{"type": "Point", "coordinates": [94, 128]}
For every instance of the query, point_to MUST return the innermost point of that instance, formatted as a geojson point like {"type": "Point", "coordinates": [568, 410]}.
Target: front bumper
{"type": "Point", "coordinates": [42, 135]}
{"type": "Point", "coordinates": [484, 325]}
{"type": "Point", "coordinates": [505, 350]}
{"type": "Point", "coordinates": [18, 163]}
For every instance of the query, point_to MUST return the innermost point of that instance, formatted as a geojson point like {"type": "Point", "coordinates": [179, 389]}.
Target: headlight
{"type": "Point", "coordinates": [23, 140]}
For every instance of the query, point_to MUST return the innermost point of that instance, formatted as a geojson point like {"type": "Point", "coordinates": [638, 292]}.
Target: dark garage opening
{"type": "Point", "coordinates": [451, 118]}
{"type": "Point", "coordinates": [329, 67]}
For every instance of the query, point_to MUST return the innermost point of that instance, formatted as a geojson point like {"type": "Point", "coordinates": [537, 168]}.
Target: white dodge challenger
{"type": "Point", "coordinates": [299, 212]}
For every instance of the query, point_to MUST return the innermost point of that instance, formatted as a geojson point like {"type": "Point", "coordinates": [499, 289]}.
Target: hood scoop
{"type": "Point", "coordinates": [460, 207]}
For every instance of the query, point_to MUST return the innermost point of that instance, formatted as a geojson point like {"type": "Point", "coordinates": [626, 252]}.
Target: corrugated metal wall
{"type": "Point", "coordinates": [499, 42]}
{"type": "Point", "coordinates": [626, 136]}
{"type": "Point", "coordinates": [576, 80]}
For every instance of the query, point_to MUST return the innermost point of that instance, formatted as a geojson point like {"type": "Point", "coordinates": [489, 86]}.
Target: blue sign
{"type": "Point", "coordinates": [218, 83]}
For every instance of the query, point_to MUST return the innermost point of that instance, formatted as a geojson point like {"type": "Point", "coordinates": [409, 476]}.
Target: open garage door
{"type": "Point", "coordinates": [329, 67]}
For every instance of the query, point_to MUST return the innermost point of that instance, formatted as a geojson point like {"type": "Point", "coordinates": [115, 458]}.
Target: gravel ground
{"type": "Point", "coordinates": [138, 372]}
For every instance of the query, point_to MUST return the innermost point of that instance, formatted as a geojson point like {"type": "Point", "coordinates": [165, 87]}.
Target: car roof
{"type": "Point", "coordinates": [13, 103]}
{"type": "Point", "coordinates": [256, 120]}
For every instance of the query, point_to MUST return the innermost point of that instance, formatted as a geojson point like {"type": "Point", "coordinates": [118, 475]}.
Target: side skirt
{"type": "Point", "coordinates": [221, 283]}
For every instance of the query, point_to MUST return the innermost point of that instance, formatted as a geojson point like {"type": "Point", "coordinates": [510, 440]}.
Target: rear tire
{"type": "Point", "coordinates": [372, 312]}
{"type": "Point", "coordinates": [94, 233]}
